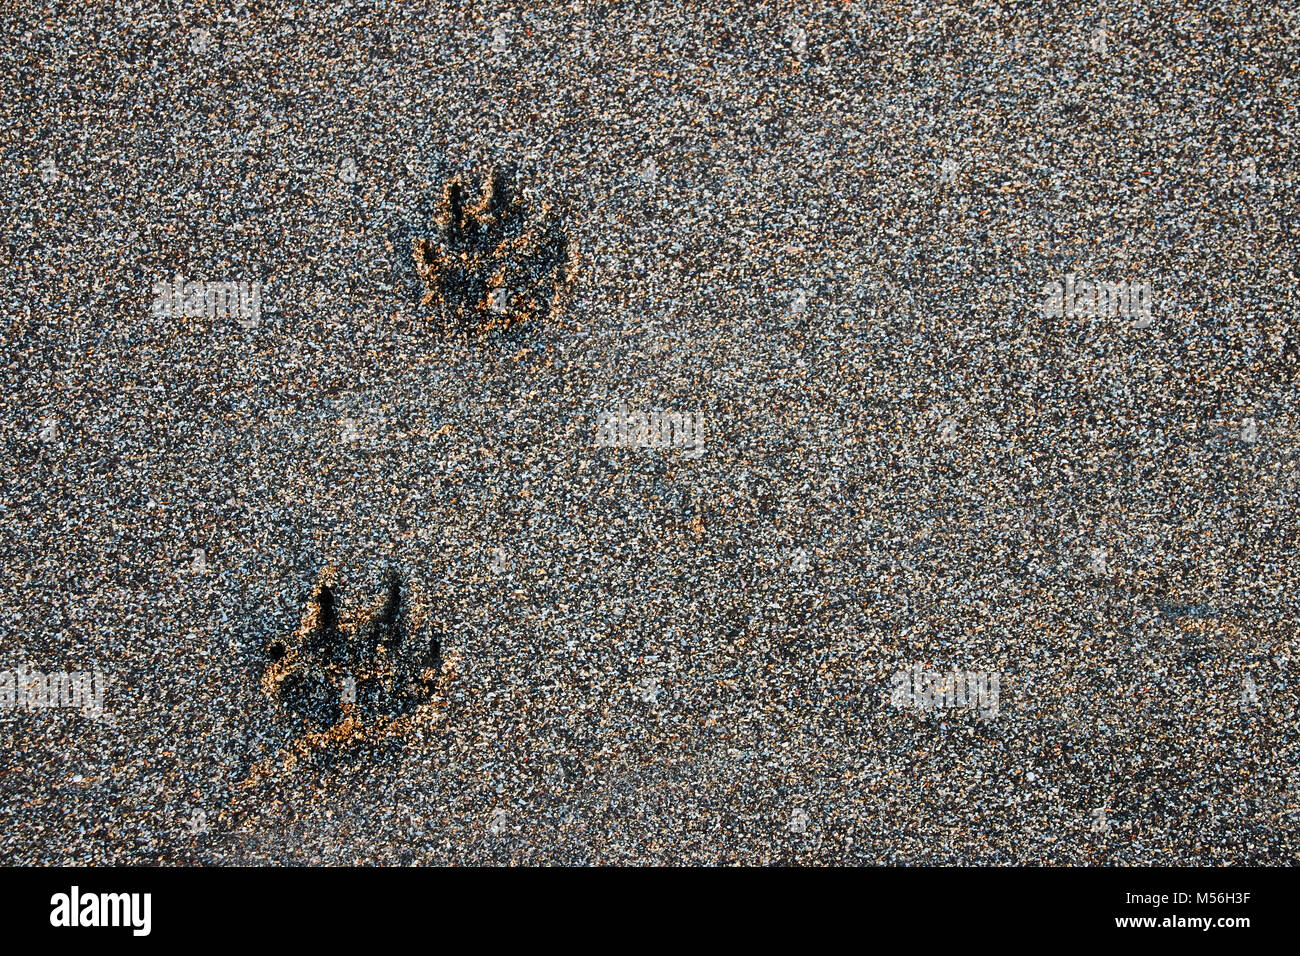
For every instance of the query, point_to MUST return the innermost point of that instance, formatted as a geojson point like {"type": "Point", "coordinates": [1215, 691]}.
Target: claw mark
{"type": "Point", "coordinates": [490, 266]}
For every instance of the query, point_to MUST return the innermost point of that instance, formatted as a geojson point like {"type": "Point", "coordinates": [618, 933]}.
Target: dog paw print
{"type": "Point", "coordinates": [343, 671]}
{"type": "Point", "coordinates": [491, 263]}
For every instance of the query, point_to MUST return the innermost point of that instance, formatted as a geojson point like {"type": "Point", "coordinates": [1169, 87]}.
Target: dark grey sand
{"type": "Point", "coordinates": [648, 657]}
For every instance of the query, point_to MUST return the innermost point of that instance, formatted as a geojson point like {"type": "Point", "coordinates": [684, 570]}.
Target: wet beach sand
{"type": "Point", "coordinates": [826, 230]}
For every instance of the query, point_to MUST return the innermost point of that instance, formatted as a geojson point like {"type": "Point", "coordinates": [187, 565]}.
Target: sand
{"type": "Point", "coordinates": [826, 229]}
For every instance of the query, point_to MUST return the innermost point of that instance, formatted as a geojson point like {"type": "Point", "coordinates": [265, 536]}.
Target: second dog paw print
{"type": "Point", "coordinates": [492, 263]}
